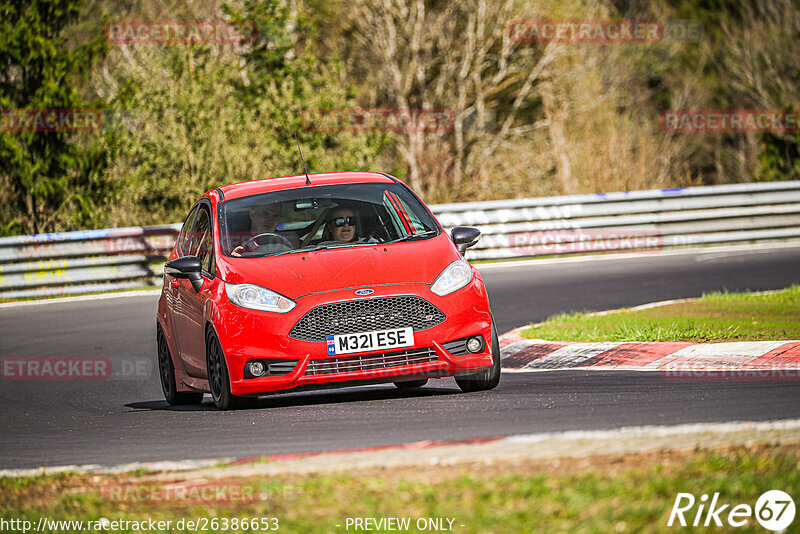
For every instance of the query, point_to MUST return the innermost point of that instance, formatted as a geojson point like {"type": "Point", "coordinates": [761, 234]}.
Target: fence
{"type": "Point", "coordinates": [71, 263]}
{"type": "Point", "coordinates": [635, 220]}
{"type": "Point", "coordinates": [102, 260]}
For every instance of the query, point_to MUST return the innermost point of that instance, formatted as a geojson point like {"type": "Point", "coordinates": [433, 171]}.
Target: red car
{"type": "Point", "coordinates": [302, 282]}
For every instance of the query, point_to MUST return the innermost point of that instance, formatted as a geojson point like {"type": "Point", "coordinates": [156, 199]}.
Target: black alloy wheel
{"type": "Point", "coordinates": [166, 370]}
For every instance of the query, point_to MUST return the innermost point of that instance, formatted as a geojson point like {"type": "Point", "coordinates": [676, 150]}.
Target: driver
{"type": "Point", "coordinates": [263, 219]}
{"type": "Point", "coordinates": [342, 225]}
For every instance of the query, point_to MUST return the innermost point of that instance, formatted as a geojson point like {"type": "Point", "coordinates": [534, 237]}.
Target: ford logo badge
{"type": "Point", "coordinates": [365, 292]}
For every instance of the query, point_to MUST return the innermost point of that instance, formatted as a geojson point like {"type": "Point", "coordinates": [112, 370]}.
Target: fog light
{"type": "Point", "coordinates": [257, 368]}
{"type": "Point", "coordinates": [475, 344]}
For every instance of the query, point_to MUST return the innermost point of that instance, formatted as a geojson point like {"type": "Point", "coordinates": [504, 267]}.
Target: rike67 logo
{"type": "Point", "coordinates": [774, 510]}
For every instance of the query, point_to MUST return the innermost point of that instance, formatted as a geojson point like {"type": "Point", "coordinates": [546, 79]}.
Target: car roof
{"type": "Point", "coordinates": [266, 185]}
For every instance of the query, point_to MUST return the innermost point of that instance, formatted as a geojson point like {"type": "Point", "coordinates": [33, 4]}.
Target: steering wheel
{"type": "Point", "coordinates": [275, 239]}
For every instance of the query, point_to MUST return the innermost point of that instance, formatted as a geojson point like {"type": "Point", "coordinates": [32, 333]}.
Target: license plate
{"type": "Point", "coordinates": [365, 341]}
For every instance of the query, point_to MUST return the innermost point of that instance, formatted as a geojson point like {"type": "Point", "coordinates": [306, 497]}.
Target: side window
{"type": "Point", "coordinates": [184, 236]}
{"type": "Point", "coordinates": [403, 218]}
{"type": "Point", "coordinates": [411, 217]}
{"type": "Point", "coordinates": [394, 216]}
{"type": "Point", "coordinates": [201, 241]}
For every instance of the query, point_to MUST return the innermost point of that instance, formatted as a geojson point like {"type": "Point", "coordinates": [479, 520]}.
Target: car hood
{"type": "Point", "coordinates": [305, 273]}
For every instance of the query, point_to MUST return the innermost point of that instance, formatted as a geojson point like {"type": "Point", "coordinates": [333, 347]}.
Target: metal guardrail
{"type": "Point", "coordinates": [630, 221]}
{"type": "Point", "coordinates": [123, 258]}
{"type": "Point", "coordinates": [71, 263]}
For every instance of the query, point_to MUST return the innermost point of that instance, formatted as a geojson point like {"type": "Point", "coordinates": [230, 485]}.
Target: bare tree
{"type": "Point", "coordinates": [759, 62]}
{"type": "Point", "coordinates": [458, 56]}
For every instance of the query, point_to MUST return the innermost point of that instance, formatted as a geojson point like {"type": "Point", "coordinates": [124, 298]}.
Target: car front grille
{"type": "Point", "coordinates": [371, 362]}
{"type": "Point", "coordinates": [366, 315]}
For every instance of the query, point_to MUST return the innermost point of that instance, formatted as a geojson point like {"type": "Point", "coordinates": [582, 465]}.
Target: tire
{"type": "Point", "coordinates": [218, 379]}
{"type": "Point", "coordinates": [488, 378]}
{"type": "Point", "coordinates": [411, 384]}
{"type": "Point", "coordinates": [166, 370]}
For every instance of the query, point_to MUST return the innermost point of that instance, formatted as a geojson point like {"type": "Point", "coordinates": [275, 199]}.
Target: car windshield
{"type": "Point", "coordinates": [322, 217]}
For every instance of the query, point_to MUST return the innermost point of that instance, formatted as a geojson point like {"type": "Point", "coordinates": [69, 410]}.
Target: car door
{"type": "Point", "coordinates": [171, 294]}
{"type": "Point", "coordinates": [190, 318]}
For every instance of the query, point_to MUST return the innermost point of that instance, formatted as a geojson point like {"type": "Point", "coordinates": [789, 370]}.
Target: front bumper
{"type": "Point", "coordinates": [249, 334]}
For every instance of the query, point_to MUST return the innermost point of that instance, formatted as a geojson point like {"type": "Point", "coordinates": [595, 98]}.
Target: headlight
{"type": "Point", "coordinates": [455, 276]}
{"type": "Point", "coordinates": [258, 298]}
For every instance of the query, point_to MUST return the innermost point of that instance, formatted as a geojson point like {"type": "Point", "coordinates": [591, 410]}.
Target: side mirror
{"type": "Point", "coordinates": [464, 237]}
{"type": "Point", "coordinates": [188, 267]}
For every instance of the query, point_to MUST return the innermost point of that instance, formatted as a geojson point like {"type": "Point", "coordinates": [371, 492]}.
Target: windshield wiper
{"type": "Point", "coordinates": [314, 248]}
{"type": "Point", "coordinates": [327, 246]}
{"type": "Point", "coordinates": [301, 249]}
{"type": "Point", "coordinates": [409, 237]}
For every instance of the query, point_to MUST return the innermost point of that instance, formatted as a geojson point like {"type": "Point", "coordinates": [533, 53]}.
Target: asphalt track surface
{"type": "Point", "coordinates": [110, 422]}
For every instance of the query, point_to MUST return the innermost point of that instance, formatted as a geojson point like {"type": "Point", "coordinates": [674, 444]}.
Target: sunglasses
{"type": "Point", "coordinates": [341, 221]}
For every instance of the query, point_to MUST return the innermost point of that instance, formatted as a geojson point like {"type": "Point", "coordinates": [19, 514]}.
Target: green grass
{"type": "Point", "coordinates": [601, 497]}
{"type": "Point", "coordinates": [714, 317]}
